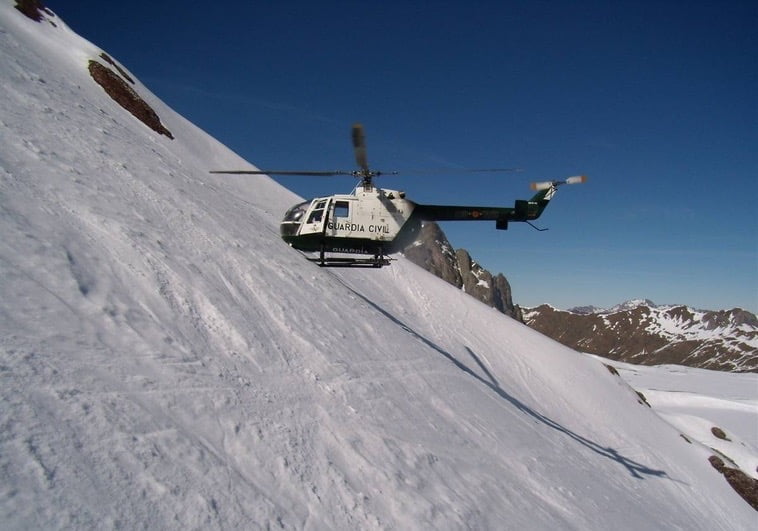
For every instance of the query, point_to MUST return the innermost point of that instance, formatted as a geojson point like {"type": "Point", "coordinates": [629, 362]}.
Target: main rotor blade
{"type": "Point", "coordinates": [464, 170]}
{"type": "Point", "coordinates": [279, 172]}
{"type": "Point", "coordinates": [359, 145]}
{"type": "Point", "coordinates": [318, 173]}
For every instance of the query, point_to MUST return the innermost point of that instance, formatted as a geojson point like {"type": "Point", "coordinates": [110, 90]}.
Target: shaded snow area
{"type": "Point", "coordinates": [168, 362]}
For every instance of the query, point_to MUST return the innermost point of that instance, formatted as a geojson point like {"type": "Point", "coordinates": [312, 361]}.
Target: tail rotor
{"type": "Point", "coordinates": [546, 185]}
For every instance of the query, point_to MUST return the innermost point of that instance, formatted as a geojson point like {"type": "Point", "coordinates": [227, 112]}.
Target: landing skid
{"type": "Point", "coordinates": [339, 261]}
{"type": "Point", "coordinates": [325, 260]}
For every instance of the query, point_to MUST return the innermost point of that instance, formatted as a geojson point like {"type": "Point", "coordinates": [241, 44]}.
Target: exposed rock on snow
{"type": "Point", "coordinates": [125, 96]}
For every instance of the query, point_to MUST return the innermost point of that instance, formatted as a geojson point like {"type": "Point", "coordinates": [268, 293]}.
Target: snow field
{"type": "Point", "coordinates": [167, 362]}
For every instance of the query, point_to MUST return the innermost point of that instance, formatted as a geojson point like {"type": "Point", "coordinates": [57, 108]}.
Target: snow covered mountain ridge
{"type": "Point", "coordinates": [642, 332]}
{"type": "Point", "coordinates": [167, 362]}
{"type": "Point", "coordinates": [632, 304]}
{"type": "Point", "coordinates": [626, 305]}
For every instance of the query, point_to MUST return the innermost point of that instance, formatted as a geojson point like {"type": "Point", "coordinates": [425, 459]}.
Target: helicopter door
{"type": "Point", "coordinates": [318, 215]}
{"type": "Point", "coordinates": [339, 217]}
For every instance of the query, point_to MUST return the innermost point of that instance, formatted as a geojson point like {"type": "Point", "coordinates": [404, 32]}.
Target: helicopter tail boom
{"type": "Point", "coordinates": [522, 211]}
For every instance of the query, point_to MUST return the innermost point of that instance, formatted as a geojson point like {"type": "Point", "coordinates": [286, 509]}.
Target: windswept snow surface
{"type": "Point", "coordinates": [696, 400]}
{"type": "Point", "coordinates": [167, 362]}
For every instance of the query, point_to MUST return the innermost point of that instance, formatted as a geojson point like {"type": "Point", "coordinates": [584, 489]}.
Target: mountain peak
{"type": "Point", "coordinates": [631, 304]}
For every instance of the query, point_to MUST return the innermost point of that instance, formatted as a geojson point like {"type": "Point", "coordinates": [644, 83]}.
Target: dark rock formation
{"type": "Point", "coordinates": [125, 96]}
{"type": "Point", "coordinates": [433, 252]}
{"type": "Point", "coordinates": [34, 9]}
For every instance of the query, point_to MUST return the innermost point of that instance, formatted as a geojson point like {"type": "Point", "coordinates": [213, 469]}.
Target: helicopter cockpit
{"type": "Point", "coordinates": [293, 218]}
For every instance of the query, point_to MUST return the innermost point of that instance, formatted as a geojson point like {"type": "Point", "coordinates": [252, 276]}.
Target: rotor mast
{"type": "Point", "coordinates": [359, 147]}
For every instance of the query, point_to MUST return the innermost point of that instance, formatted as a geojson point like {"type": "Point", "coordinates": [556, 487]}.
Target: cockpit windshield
{"type": "Point", "coordinates": [293, 218]}
{"type": "Point", "coordinates": [295, 214]}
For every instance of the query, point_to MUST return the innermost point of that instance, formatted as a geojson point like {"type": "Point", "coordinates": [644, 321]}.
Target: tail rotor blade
{"type": "Point", "coordinates": [578, 179]}
{"type": "Point", "coordinates": [544, 185]}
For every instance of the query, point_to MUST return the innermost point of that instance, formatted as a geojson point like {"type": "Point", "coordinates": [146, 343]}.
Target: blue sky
{"type": "Point", "coordinates": [654, 101]}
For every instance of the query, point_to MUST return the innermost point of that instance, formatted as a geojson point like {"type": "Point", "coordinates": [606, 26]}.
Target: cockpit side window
{"type": "Point", "coordinates": [341, 209]}
{"type": "Point", "coordinates": [318, 212]}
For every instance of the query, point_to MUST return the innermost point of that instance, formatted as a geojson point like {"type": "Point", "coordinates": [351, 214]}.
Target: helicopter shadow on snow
{"type": "Point", "coordinates": [636, 469]}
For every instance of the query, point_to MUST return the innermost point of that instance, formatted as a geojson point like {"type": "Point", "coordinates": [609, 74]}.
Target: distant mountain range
{"type": "Point", "coordinates": [636, 331]}
{"type": "Point", "coordinates": [644, 333]}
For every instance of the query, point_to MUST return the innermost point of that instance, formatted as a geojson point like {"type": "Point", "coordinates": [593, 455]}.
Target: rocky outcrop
{"type": "Point", "coordinates": [126, 96]}
{"type": "Point", "coordinates": [433, 252]}
{"type": "Point", "coordinates": [34, 9]}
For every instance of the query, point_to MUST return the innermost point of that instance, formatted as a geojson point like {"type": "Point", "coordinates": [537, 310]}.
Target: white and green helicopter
{"type": "Point", "coordinates": [377, 221]}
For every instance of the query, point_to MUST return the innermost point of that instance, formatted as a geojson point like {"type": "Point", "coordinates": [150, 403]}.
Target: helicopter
{"type": "Point", "coordinates": [377, 221]}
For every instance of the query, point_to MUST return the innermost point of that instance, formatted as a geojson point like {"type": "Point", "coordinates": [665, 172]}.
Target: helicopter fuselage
{"type": "Point", "coordinates": [379, 221]}
{"type": "Point", "coordinates": [375, 221]}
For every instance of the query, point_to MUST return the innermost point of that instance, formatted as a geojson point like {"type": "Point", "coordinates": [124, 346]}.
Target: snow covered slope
{"type": "Point", "coordinates": [717, 409]}
{"type": "Point", "coordinates": [167, 362]}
